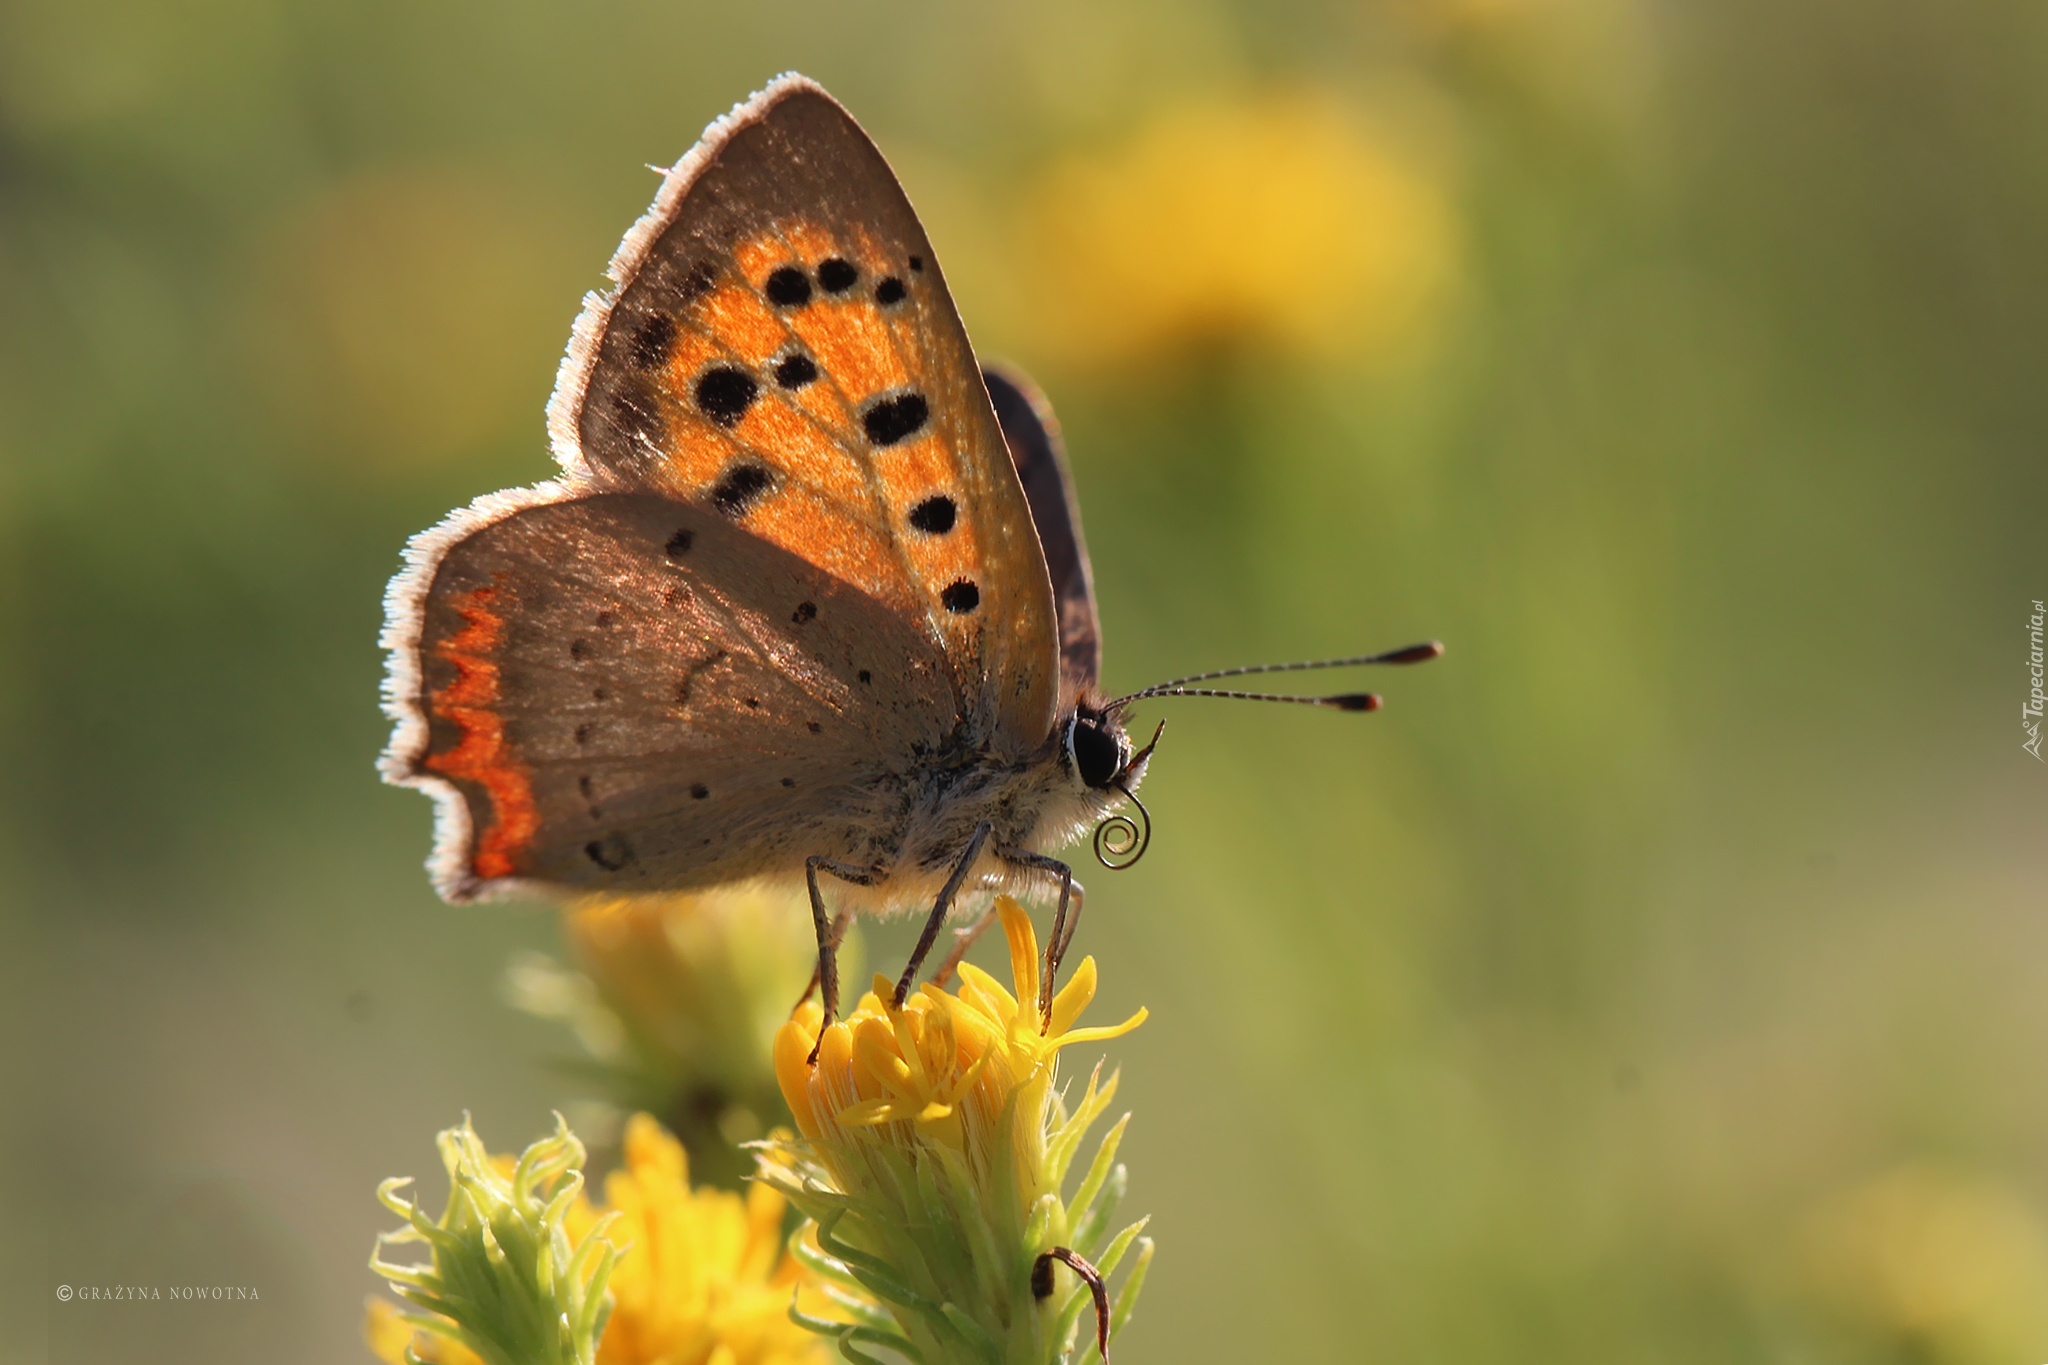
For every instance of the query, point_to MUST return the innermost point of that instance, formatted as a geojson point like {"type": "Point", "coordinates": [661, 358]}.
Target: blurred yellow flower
{"type": "Point", "coordinates": [1282, 221]}
{"type": "Point", "coordinates": [705, 1279]}
{"type": "Point", "coordinates": [934, 1151]}
{"type": "Point", "coordinates": [702, 1277]}
{"type": "Point", "coordinates": [679, 998]}
{"type": "Point", "coordinates": [389, 1335]}
{"type": "Point", "coordinates": [1953, 1264]}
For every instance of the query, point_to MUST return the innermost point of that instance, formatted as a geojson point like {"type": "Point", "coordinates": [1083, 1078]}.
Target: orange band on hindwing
{"type": "Point", "coordinates": [470, 701]}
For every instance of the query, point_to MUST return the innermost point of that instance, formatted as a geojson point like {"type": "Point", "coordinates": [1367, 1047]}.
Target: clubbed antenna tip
{"type": "Point", "coordinates": [1414, 654]}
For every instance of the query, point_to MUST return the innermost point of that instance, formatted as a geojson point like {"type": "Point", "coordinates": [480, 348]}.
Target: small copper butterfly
{"type": "Point", "coordinates": [808, 597]}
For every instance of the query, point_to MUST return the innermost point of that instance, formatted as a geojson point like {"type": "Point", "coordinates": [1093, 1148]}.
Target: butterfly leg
{"type": "Point", "coordinates": [829, 930]}
{"type": "Point", "coordinates": [963, 943]}
{"type": "Point", "coordinates": [939, 908]}
{"type": "Point", "coordinates": [839, 923]}
{"type": "Point", "coordinates": [1063, 927]}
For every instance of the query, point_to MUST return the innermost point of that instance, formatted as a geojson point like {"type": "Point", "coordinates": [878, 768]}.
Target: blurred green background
{"type": "Point", "coordinates": [1662, 976]}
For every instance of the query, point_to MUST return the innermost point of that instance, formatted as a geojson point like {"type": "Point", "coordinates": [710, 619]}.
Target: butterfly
{"type": "Point", "coordinates": [809, 598]}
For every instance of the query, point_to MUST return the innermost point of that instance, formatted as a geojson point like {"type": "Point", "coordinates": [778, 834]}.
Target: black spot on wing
{"type": "Point", "coordinates": [679, 544]}
{"type": "Point", "coordinates": [961, 596]}
{"type": "Point", "coordinates": [837, 276]}
{"type": "Point", "coordinates": [712, 660]}
{"type": "Point", "coordinates": [917, 263]}
{"type": "Point", "coordinates": [793, 372]}
{"type": "Point", "coordinates": [805, 611]}
{"type": "Point", "coordinates": [698, 791]}
{"type": "Point", "coordinates": [889, 292]}
{"type": "Point", "coordinates": [935, 515]}
{"type": "Point", "coordinates": [697, 283]}
{"type": "Point", "coordinates": [741, 487]}
{"type": "Point", "coordinates": [652, 339]}
{"type": "Point", "coordinates": [890, 420]}
{"type": "Point", "coordinates": [866, 676]}
{"type": "Point", "coordinates": [788, 287]}
{"type": "Point", "coordinates": [725, 392]}
{"type": "Point", "coordinates": [610, 853]}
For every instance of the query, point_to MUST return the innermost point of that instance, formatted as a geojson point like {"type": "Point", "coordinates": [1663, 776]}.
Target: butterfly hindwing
{"type": "Point", "coordinates": [1033, 437]}
{"type": "Point", "coordinates": [624, 691]}
{"type": "Point", "coordinates": [781, 348]}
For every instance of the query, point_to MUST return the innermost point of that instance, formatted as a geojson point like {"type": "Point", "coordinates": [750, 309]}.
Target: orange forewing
{"type": "Point", "coordinates": [782, 347]}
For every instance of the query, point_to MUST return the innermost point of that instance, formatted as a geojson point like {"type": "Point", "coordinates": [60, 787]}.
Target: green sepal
{"type": "Point", "coordinates": [1096, 1225]}
{"type": "Point", "coordinates": [1098, 1171]}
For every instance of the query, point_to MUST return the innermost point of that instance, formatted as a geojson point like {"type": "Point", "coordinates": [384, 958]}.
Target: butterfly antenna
{"type": "Point", "coordinates": [1342, 701]}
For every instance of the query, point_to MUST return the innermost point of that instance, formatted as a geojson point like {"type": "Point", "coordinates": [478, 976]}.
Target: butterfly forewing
{"type": "Point", "coordinates": [782, 350]}
{"type": "Point", "coordinates": [626, 691]}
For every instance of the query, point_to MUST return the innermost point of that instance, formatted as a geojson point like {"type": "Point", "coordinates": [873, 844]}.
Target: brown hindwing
{"type": "Point", "coordinates": [1033, 437]}
{"type": "Point", "coordinates": [621, 690]}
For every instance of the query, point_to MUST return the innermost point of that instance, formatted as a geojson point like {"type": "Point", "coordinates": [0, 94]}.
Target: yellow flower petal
{"type": "Point", "coordinates": [984, 993]}
{"type": "Point", "coordinates": [1096, 1035]}
{"type": "Point", "coordinates": [1073, 997]}
{"type": "Point", "coordinates": [866, 1113]}
{"type": "Point", "coordinates": [1023, 947]}
{"type": "Point", "coordinates": [792, 1053]}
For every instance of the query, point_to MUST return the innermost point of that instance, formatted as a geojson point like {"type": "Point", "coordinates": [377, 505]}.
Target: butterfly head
{"type": "Point", "coordinates": [1097, 747]}
{"type": "Point", "coordinates": [1100, 756]}
{"type": "Point", "coordinates": [1106, 771]}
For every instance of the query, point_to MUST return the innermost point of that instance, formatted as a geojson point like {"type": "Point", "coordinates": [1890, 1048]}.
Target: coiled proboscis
{"type": "Point", "coordinates": [1119, 840]}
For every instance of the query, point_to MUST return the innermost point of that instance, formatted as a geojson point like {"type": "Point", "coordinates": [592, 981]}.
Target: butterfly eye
{"type": "Point", "coordinates": [1097, 755]}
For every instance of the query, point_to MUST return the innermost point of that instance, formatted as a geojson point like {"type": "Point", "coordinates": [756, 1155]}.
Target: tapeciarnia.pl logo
{"type": "Point", "coordinates": [2030, 714]}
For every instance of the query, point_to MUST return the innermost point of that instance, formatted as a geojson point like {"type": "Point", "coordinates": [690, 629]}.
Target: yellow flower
{"type": "Point", "coordinates": [1281, 221]}
{"type": "Point", "coordinates": [679, 998]}
{"type": "Point", "coordinates": [706, 1279]}
{"type": "Point", "coordinates": [935, 1148]}
{"type": "Point", "coordinates": [702, 1276]}
{"type": "Point", "coordinates": [1949, 1264]}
